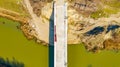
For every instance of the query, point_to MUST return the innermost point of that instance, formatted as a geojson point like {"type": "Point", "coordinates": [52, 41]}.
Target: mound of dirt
{"type": "Point", "coordinates": [38, 5]}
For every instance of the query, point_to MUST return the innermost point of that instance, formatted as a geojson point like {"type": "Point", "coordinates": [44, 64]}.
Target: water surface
{"type": "Point", "coordinates": [79, 57]}
{"type": "Point", "coordinates": [14, 44]}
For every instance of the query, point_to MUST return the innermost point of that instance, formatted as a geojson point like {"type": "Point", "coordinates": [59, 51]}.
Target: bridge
{"type": "Point", "coordinates": [60, 39]}
{"type": "Point", "coordinates": [58, 48]}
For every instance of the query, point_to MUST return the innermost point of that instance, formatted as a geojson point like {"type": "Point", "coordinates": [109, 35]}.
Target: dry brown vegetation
{"type": "Point", "coordinates": [96, 8]}
{"type": "Point", "coordinates": [113, 43]}
{"type": "Point", "coordinates": [38, 5]}
{"type": "Point", "coordinates": [85, 7]}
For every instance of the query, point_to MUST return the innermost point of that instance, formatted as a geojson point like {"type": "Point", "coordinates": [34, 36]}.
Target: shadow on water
{"type": "Point", "coordinates": [95, 31]}
{"type": "Point", "coordinates": [51, 39]}
{"type": "Point", "coordinates": [8, 63]}
{"type": "Point", "coordinates": [89, 65]}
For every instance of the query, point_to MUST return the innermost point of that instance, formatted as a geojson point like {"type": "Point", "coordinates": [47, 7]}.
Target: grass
{"type": "Point", "coordinates": [110, 7]}
{"type": "Point", "coordinates": [113, 3]}
{"type": "Point", "coordinates": [13, 5]}
{"type": "Point", "coordinates": [106, 12]}
{"type": "Point", "coordinates": [98, 14]}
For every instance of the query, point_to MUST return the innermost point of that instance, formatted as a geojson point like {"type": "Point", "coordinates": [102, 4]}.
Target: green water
{"type": "Point", "coordinates": [14, 44]}
{"type": "Point", "coordinates": [79, 57]}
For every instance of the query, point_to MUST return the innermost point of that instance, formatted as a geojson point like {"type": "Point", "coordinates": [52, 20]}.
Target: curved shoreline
{"type": "Point", "coordinates": [12, 15]}
{"type": "Point", "coordinates": [24, 21]}
{"type": "Point", "coordinates": [41, 29]}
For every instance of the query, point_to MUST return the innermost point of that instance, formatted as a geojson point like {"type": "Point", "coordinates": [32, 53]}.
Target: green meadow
{"type": "Point", "coordinates": [108, 8]}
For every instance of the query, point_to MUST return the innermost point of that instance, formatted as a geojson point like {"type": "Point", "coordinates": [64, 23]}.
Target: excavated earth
{"type": "Point", "coordinates": [95, 33]}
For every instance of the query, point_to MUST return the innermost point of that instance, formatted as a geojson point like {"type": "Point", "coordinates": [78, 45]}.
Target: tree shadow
{"type": "Point", "coordinates": [7, 63]}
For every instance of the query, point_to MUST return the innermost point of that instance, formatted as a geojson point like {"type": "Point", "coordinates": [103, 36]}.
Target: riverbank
{"type": "Point", "coordinates": [96, 34]}
{"type": "Point", "coordinates": [36, 26]}
{"type": "Point", "coordinates": [13, 15]}
{"type": "Point", "coordinates": [27, 25]}
{"type": "Point", "coordinates": [14, 44]}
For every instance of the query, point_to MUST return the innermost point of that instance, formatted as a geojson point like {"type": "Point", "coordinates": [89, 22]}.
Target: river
{"type": "Point", "coordinates": [14, 44]}
{"type": "Point", "coordinates": [79, 57]}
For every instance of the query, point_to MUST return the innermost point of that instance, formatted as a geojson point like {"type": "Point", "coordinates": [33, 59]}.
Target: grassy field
{"type": "Point", "coordinates": [14, 5]}
{"type": "Point", "coordinates": [11, 5]}
{"type": "Point", "coordinates": [108, 8]}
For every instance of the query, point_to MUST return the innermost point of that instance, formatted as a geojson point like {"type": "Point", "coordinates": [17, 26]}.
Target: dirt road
{"type": "Point", "coordinates": [42, 29]}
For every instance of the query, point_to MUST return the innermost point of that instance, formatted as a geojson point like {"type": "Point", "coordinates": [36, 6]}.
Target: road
{"type": "Point", "coordinates": [60, 46]}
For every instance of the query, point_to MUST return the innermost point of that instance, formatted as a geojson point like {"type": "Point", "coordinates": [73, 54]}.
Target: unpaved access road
{"type": "Point", "coordinates": [42, 29]}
